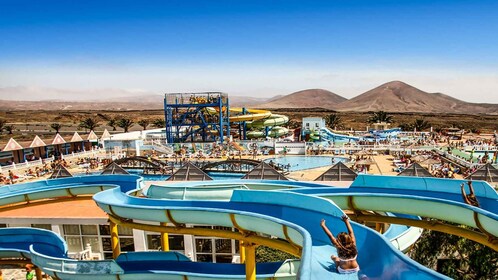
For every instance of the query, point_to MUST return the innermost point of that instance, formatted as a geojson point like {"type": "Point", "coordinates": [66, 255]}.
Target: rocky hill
{"type": "Point", "coordinates": [310, 98]}
{"type": "Point", "coordinates": [398, 96]}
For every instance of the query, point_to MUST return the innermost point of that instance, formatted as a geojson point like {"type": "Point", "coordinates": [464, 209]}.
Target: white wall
{"type": "Point", "coordinates": [293, 148]}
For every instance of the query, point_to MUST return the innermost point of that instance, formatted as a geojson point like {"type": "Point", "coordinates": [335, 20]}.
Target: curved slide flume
{"type": "Point", "coordinates": [428, 197]}
{"type": "Point", "coordinates": [286, 215]}
{"type": "Point", "coordinates": [332, 136]}
{"type": "Point", "coordinates": [274, 121]}
{"type": "Point", "coordinates": [291, 215]}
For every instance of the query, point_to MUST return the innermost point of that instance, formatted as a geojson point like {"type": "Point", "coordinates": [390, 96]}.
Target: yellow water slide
{"type": "Point", "coordinates": [250, 115]}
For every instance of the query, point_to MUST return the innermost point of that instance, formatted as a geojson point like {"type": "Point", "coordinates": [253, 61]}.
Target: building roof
{"type": "Point", "coordinates": [12, 145]}
{"type": "Point", "coordinates": [58, 140]}
{"type": "Point", "coordinates": [76, 138]}
{"type": "Point", "coordinates": [60, 172]}
{"type": "Point", "coordinates": [189, 172]}
{"type": "Point", "coordinates": [338, 172]}
{"type": "Point", "coordinates": [114, 168]}
{"type": "Point", "coordinates": [264, 171]}
{"type": "Point", "coordinates": [92, 136]}
{"type": "Point", "coordinates": [37, 142]}
{"type": "Point", "coordinates": [415, 170]}
{"type": "Point", "coordinates": [105, 135]}
{"type": "Point", "coordinates": [74, 209]}
{"type": "Point", "coordinates": [486, 173]}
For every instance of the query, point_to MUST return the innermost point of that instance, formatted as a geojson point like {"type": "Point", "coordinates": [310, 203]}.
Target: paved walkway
{"type": "Point", "coordinates": [14, 274]}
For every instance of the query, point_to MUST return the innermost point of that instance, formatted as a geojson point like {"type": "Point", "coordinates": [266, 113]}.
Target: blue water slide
{"type": "Point", "coordinates": [328, 135]}
{"type": "Point", "coordinates": [288, 210]}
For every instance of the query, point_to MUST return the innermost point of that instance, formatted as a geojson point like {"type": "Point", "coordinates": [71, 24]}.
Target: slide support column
{"type": "Point", "coordinates": [250, 261]}
{"type": "Point", "coordinates": [38, 273]}
{"type": "Point", "coordinates": [116, 248]}
{"type": "Point", "coordinates": [164, 239]}
{"type": "Point", "coordinates": [242, 252]}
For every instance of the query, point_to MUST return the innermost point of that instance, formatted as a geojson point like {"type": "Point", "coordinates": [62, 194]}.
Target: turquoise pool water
{"type": "Point", "coordinates": [305, 162]}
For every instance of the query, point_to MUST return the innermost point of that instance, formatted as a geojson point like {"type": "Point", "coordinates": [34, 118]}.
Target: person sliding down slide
{"type": "Point", "coordinates": [345, 243]}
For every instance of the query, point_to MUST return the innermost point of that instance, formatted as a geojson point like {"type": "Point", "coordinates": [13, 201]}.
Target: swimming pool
{"type": "Point", "coordinates": [305, 162]}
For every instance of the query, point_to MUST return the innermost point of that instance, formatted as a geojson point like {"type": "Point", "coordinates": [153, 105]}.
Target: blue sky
{"type": "Point", "coordinates": [260, 48]}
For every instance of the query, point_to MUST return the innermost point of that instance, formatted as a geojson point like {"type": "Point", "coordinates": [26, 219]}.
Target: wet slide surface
{"type": "Point", "coordinates": [288, 210]}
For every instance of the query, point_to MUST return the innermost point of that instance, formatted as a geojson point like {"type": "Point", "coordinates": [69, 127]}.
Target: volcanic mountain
{"type": "Point", "coordinates": [309, 98]}
{"type": "Point", "coordinates": [397, 96]}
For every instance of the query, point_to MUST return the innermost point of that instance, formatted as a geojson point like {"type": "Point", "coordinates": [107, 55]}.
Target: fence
{"type": "Point", "coordinates": [39, 162]}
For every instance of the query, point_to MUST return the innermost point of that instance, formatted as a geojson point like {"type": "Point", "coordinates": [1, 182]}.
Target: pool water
{"type": "Point", "coordinates": [305, 162]}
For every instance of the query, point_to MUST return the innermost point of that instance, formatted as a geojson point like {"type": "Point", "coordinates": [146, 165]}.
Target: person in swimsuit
{"type": "Point", "coordinates": [471, 198]}
{"type": "Point", "coordinates": [345, 243]}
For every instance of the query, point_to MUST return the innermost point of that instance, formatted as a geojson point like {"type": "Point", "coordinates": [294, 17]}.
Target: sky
{"type": "Point", "coordinates": [256, 48]}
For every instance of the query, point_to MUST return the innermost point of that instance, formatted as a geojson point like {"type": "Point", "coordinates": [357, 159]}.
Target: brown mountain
{"type": "Point", "coordinates": [310, 98]}
{"type": "Point", "coordinates": [397, 96]}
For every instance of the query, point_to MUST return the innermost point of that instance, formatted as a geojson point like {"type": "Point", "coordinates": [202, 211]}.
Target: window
{"type": "Point", "coordinates": [98, 237]}
{"type": "Point", "coordinates": [42, 226]}
{"type": "Point", "coordinates": [212, 249]}
{"type": "Point", "coordinates": [176, 242]}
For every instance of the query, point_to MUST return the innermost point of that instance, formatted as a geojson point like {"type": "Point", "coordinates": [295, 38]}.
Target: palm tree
{"type": "Point", "coordinates": [124, 123]}
{"type": "Point", "coordinates": [144, 123]}
{"type": "Point", "coordinates": [112, 123]}
{"type": "Point", "coordinates": [421, 124]}
{"type": "Point", "coordinates": [333, 120]}
{"type": "Point", "coordinates": [2, 124]}
{"type": "Point", "coordinates": [159, 123]}
{"type": "Point", "coordinates": [406, 126]}
{"type": "Point", "coordinates": [9, 128]}
{"type": "Point", "coordinates": [380, 116]}
{"type": "Point", "coordinates": [56, 126]}
{"type": "Point", "coordinates": [89, 123]}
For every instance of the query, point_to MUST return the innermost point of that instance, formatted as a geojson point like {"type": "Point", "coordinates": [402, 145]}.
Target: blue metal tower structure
{"type": "Point", "coordinates": [196, 117]}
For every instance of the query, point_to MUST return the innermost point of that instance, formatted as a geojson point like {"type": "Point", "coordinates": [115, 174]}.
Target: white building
{"type": "Point", "coordinates": [313, 124]}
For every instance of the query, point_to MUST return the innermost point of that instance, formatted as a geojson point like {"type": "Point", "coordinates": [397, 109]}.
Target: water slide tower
{"type": "Point", "coordinates": [196, 117]}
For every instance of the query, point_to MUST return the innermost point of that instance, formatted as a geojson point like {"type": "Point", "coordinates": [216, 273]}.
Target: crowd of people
{"type": "Point", "coordinates": [16, 176]}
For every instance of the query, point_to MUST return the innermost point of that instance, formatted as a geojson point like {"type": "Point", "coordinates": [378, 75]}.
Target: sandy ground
{"type": "Point", "coordinates": [383, 165]}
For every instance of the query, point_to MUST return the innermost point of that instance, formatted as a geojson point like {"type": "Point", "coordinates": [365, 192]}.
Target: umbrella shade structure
{"type": "Point", "coordinates": [264, 171]}
{"type": "Point", "coordinates": [338, 172]}
{"type": "Point", "coordinates": [486, 173]}
{"type": "Point", "coordinates": [60, 172]}
{"type": "Point", "coordinates": [415, 170]}
{"type": "Point", "coordinates": [114, 168]}
{"type": "Point", "coordinates": [189, 172]}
